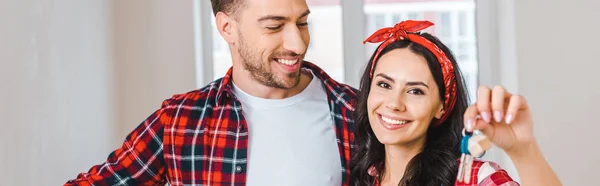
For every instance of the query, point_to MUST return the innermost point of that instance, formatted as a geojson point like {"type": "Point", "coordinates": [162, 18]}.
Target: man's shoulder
{"type": "Point", "coordinates": [346, 91]}
{"type": "Point", "coordinates": [346, 88]}
{"type": "Point", "coordinates": [201, 97]}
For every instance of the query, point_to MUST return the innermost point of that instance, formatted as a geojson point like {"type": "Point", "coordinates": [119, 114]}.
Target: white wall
{"type": "Point", "coordinates": [77, 76]}
{"type": "Point", "coordinates": [56, 89]}
{"type": "Point", "coordinates": [548, 55]}
{"type": "Point", "coordinates": [154, 52]}
{"type": "Point", "coordinates": [558, 67]}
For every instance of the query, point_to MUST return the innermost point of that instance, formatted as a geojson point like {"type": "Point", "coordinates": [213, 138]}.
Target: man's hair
{"type": "Point", "coordinates": [229, 7]}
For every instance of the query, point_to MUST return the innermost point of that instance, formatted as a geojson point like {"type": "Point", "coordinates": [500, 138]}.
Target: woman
{"type": "Point", "coordinates": [411, 108]}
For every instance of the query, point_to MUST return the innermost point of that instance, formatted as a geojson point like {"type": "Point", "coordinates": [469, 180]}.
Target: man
{"type": "Point", "coordinates": [273, 119]}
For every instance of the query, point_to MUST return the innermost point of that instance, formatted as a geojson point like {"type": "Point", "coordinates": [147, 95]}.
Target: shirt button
{"type": "Point", "coordinates": [238, 169]}
{"type": "Point", "coordinates": [241, 126]}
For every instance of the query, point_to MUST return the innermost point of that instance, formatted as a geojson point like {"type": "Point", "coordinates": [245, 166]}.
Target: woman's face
{"type": "Point", "coordinates": [404, 98]}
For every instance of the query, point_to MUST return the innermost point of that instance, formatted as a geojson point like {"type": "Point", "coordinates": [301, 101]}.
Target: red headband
{"type": "Point", "coordinates": [407, 30]}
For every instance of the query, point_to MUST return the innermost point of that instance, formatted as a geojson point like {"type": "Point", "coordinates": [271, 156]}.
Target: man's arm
{"type": "Point", "coordinates": [139, 161]}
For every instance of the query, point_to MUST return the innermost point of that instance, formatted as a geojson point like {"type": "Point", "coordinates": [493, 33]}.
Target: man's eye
{"type": "Point", "coordinates": [274, 27]}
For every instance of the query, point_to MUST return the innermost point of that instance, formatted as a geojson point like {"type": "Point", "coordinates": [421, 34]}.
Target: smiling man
{"type": "Point", "coordinates": [273, 119]}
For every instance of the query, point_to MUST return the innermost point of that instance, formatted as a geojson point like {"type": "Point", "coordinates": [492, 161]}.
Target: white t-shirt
{"type": "Point", "coordinates": [291, 141]}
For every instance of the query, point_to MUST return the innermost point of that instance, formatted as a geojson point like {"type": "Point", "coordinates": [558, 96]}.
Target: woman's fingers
{"type": "Point", "coordinates": [499, 97]}
{"type": "Point", "coordinates": [483, 103]}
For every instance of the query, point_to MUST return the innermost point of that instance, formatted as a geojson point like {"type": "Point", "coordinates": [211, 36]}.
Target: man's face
{"type": "Point", "coordinates": [272, 40]}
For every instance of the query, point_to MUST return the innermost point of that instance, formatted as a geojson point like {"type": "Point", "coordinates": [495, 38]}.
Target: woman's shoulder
{"type": "Point", "coordinates": [488, 173]}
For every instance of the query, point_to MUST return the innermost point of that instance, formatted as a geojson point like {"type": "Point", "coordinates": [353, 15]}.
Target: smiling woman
{"type": "Point", "coordinates": [417, 90]}
{"type": "Point", "coordinates": [411, 111]}
{"type": "Point", "coordinates": [401, 132]}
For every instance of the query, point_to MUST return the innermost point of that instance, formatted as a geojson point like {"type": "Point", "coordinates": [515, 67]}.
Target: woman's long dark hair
{"type": "Point", "coordinates": [437, 163]}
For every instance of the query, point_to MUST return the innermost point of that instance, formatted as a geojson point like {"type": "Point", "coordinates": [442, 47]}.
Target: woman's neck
{"type": "Point", "coordinates": [396, 160]}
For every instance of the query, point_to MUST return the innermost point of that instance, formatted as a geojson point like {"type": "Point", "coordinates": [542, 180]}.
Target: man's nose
{"type": "Point", "coordinates": [294, 41]}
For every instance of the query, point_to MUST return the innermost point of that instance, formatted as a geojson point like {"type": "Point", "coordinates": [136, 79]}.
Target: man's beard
{"type": "Point", "coordinates": [262, 72]}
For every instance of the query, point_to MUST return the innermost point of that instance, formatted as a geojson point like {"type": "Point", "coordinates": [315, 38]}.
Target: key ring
{"type": "Point", "coordinates": [466, 143]}
{"type": "Point", "coordinates": [474, 133]}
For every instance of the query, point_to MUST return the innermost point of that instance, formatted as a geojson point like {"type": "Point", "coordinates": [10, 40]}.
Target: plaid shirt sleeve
{"type": "Point", "coordinates": [139, 161]}
{"type": "Point", "coordinates": [486, 173]}
{"type": "Point", "coordinates": [493, 175]}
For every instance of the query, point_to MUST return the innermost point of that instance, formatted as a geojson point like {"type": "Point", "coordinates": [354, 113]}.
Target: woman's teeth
{"type": "Point", "coordinates": [287, 62]}
{"type": "Point", "coordinates": [393, 121]}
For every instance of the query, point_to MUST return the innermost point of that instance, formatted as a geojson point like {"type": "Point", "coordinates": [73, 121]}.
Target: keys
{"type": "Point", "coordinates": [472, 145]}
{"type": "Point", "coordinates": [478, 144]}
{"type": "Point", "coordinates": [466, 160]}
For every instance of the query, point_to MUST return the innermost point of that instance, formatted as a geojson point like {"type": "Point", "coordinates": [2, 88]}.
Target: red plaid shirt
{"type": "Point", "coordinates": [201, 138]}
{"type": "Point", "coordinates": [493, 175]}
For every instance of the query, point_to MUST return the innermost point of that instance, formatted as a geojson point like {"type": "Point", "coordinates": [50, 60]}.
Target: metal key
{"type": "Point", "coordinates": [466, 160]}
{"type": "Point", "coordinates": [468, 166]}
{"type": "Point", "coordinates": [477, 144]}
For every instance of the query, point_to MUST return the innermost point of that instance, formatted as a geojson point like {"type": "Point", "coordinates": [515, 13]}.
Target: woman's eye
{"type": "Point", "coordinates": [383, 85]}
{"type": "Point", "coordinates": [416, 91]}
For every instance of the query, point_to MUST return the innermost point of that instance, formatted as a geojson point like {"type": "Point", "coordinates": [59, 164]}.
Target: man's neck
{"type": "Point", "coordinates": [396, 160]}
{"type": "Point", "coordinates": [246, 83]}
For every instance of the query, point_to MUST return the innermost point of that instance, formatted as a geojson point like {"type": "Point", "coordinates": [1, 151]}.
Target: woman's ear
{"type": "Point", "coordinates": [440, 112]}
